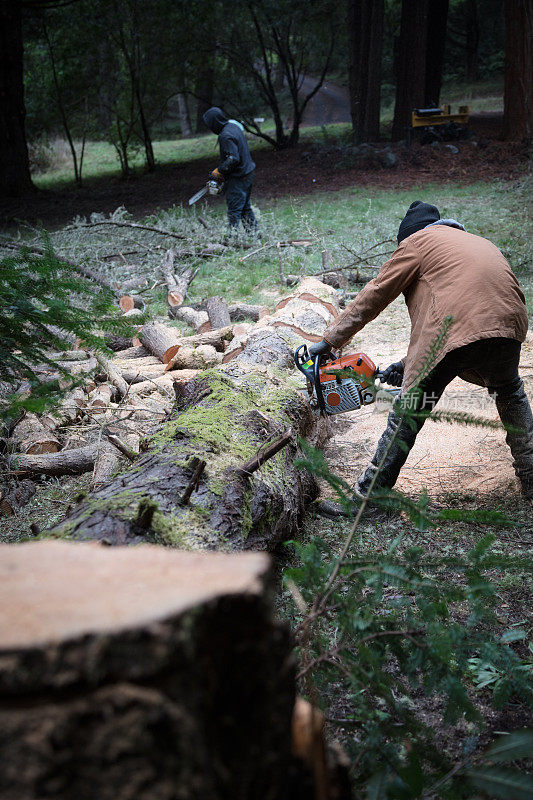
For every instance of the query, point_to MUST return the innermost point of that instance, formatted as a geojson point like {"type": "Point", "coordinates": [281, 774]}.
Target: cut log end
{"type": "Point", "coordinates": [128, 302]}
{"type": "Point", "coordinates": [174, 299]}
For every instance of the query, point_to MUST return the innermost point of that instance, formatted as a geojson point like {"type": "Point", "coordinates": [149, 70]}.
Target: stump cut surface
{"type": "Point", "coordinates": [57, 591]}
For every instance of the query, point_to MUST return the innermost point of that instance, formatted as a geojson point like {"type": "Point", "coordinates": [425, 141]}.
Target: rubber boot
{"type": "Point", "coordinates": [514, 410]}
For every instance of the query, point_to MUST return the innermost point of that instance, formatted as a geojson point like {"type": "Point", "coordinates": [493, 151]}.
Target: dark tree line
{"type": "Point", "coordinates": [419, 58]}
{"type": "Point", "coordinates": [110, 68]}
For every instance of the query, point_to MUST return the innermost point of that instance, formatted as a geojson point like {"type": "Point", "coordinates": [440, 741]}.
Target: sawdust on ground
{"type": "Point", "coordinates": [446, 457]}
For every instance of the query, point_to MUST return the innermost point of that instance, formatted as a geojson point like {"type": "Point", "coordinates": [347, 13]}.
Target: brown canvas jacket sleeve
{"type": "Point", "coordinates": [394, 277]}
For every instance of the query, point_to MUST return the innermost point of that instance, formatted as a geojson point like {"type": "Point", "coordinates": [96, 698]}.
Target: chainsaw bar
{"type": "Point", "coordinates": [198, 195]}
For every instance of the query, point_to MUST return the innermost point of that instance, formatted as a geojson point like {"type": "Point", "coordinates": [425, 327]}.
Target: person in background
{"type": "Point", "coordinates": [444, 272]}
{"type": "Point", "coordinates": [236, 168]}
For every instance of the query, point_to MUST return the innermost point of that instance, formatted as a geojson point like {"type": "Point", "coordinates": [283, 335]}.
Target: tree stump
{"type": "Point", "coordinates": [141, 673]}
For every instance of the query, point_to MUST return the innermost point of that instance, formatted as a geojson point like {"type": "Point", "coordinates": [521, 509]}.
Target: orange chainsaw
{"type": "Point", "coordinates": [335, 385]}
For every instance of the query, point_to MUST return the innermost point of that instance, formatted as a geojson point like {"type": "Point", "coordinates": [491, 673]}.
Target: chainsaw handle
{"type": "Point", "coordinates": [301, 356]}
{"type": "Point", "coordinates": [318, 387]}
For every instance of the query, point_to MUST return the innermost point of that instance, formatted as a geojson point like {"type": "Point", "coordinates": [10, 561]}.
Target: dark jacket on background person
{"type": "Point", "coordinates": [234, 151]}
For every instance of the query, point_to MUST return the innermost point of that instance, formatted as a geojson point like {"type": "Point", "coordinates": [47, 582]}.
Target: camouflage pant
{"type": "Point", "coordinates": [492, 363]}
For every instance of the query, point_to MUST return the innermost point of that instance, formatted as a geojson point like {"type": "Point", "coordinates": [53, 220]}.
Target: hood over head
{"type": "Point", "coordinates": [419, 215]}
{"type": "Point", "coordinates": [215, 119]}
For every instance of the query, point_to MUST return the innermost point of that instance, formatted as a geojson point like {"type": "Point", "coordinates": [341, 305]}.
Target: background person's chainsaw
{"type": "Point", "coordinates": [331, 393]}
{"type": "Point", "coordinates": [212, 187]}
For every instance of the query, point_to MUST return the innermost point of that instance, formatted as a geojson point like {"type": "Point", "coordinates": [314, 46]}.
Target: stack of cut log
{"type": "Point", "coordinates": [202, 479]}
{"type": "Point", "coordinates": [222, 471]}
{"type": "Point", "coordinates": [117, 402]}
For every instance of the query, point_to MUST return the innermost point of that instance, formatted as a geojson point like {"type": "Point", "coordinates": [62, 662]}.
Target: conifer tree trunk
{"type": "Point", "coordinates": [15, 179]}
{"type": "Point", "coordinates": [183, 109]}
{"type": "Point", "coordinates": [365, 39]}
{"type": "Point", "coordinates": [411, 64]}
{"type": "Point", "coordinates": [472, 40]}
{"type": "Point", "coordinates": [518, 98]}
{"type": "Point", "coordinates": [205, 89]}
{"type": "Point", "coordinates": [436, 41]}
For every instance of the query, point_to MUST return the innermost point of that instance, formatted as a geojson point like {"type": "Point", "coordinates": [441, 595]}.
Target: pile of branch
{"type": "Point", "coordinates": [97, 424]}
{"type": "Point", "coordinates": [210, 419]}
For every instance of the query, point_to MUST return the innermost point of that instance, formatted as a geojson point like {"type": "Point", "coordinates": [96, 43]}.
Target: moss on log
{"type": "Point", "coordinates": [223, 423]}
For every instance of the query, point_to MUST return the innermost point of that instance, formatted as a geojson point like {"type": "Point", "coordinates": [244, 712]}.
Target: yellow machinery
{"type": "Point", "coordinates": [429, 117]}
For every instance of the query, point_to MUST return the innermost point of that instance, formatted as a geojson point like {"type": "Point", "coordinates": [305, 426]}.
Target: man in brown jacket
{"type": "Point", "coordinates": [444, 272]}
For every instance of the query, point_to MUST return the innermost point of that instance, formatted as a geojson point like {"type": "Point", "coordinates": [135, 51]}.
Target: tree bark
{"type": "Point", "coordinates": [142, 673]}
{"type": "Point", "coordinates": [15, 178]}
{"type": "Point", "coordinates": [518, 97]}
{"type": "Point", "coordinates": [66, 462]}
{"type": "Point", "coordinates": [196, 319]}
{"type": "Point", "coordinates": [242, 311]}
{"type": "Point", "coordinates": [183, 110]}
{"type": "Point", "coordinates": [411, 65]}
{"type": "Point", "coordinates": [365, 43]}
{"type": "Point", "coordinates": [472, 40]}
{"type": "Point", "coordinates": [33, 438]}
{"type": "Point", "coordinates": [67, 412]}
{"type": "Point", "coordinates": [205, 86]}
{"type": "Point", "coordinates": [177, 285]}
{"type": "Point", "coordinates": [218, 312]}
{"type": "Point", "coordinates": [160, 340]}
{"type": "Point", "coordinates": [436, 42]}
{"type": "Point", "coordinates": [199, 357]}
{"type": "Point", "coordinates": [113, 374]}
{"type": "Point", "coordinates": [224, 417]}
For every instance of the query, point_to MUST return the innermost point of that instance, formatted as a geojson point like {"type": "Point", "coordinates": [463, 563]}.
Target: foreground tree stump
{"type": "Point", "coordinates": [141, 674]}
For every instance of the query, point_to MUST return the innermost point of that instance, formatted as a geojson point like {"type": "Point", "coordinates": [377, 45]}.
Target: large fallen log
{"type": "Point", "coordinates": [225, 416]}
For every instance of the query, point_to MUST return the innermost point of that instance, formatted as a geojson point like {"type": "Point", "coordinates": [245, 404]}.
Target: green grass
{"type": "Point", "coordinates": [354, 217]}
{"type": "Point", "coordinates": [358, 218]}
{"type": "Point", "coordinates": [101, 161]}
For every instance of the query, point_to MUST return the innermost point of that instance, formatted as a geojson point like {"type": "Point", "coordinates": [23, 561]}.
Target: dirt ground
{"type": "Point", "coordinates": [446, 457]}
{"type": "Point", "coordinates": [305, 170]}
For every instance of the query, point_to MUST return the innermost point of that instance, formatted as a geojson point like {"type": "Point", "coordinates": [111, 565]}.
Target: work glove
{"type": "Point", "coordinates": [217, 175]}
{"type": "Point", "coordinates": [393, 374]}
{"type": "Point", "coordinates": [318, 348]}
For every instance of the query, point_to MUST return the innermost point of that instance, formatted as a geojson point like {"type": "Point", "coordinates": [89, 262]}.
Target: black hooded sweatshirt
{"type": "Point", "coordinates": [234, 152]}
